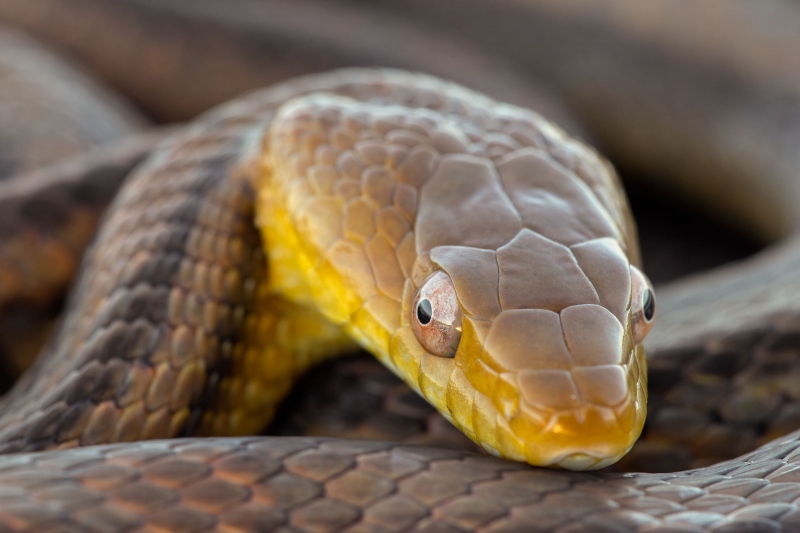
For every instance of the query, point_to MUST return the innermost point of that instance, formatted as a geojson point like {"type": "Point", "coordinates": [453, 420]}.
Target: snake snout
{"type": "Point", "coordinates": [580, 403]}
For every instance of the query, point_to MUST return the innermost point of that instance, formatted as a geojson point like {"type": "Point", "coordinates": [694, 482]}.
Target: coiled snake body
{"type": "Point", "coordinates": [168, 322]}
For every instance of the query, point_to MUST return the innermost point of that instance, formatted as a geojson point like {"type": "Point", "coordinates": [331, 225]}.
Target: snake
{"type": "Point", "coordinates": [142, 289]}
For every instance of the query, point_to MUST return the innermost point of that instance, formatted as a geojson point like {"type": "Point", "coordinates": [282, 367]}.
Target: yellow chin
{"type": "Point", "coordinates": [588, 437]}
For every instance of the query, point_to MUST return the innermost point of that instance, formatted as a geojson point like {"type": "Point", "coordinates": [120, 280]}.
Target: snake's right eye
{"type": "Point", "coordinates": [648, 305]}
{"type": "Point", "coordinates": [643, 305]}
{"type": "Point", "coordinates": [436, 316]}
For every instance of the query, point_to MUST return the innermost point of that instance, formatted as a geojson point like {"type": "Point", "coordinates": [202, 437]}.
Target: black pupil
{"type": "Point", "coordinates": [648, 305]}
{"type": "Point", "coordinates": [424, 312]}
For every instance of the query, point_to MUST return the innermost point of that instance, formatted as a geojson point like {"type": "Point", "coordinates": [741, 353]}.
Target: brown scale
{"type": "Point", "coordinates": [322, 485]}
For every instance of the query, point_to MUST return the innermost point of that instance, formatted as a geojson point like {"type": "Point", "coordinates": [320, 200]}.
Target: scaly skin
{"type": "Point", "coordinates": [353, 241]}
{"type": "Point", "coordinates": [786, 458]}
{"type": "Point", "coordinates": [177, 324]}
{"type": "Point", "coordinates": [308, 484]}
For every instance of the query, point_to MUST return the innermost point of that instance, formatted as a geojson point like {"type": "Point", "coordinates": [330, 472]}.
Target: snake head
{"type": "Point", "coordinates": [531, 334]}
{"type": "Point", "coordinates": [477, 251]}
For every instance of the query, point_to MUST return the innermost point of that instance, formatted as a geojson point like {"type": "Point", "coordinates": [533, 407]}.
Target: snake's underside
{"type": "Point", "coordinates": [126, 364]}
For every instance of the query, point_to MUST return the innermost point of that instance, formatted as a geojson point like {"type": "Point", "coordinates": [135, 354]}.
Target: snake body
{"type": "Point", "coordinates": [409, 488]}
{"type": "Point", "coordinates": [168, 323]}
{"type": "Point", "coordinates": [323, 248]}
{"type": "Point", "coordinates": [167, 326]}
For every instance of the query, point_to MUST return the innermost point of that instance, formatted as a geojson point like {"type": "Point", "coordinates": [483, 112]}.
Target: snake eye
{"type": "Point", "coordinates": [436, 316]}
{"type": "Point", "coordinates": [643, 305]}
{"type": "Point", "coordinates": [648, 305]}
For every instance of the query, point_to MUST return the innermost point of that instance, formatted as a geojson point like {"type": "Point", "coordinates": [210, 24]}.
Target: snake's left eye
{"type": "Point", "coordinates": [436, 315]}
{"type": "Point", "coordinates": [643, 305]}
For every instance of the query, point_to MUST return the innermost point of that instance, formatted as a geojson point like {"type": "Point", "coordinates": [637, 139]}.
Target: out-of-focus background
{"type": "Point", "coordinates": [671, 91]}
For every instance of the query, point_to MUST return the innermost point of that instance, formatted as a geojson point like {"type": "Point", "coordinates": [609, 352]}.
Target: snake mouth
{"type": "Point", "coordinates": [577, 416]}
{"type": "Point", "coordinates": [586, 438]}
{"type": "Point", "coordinates": [567, 419]}
{"type": "Point", "coordinates": [581, 462]}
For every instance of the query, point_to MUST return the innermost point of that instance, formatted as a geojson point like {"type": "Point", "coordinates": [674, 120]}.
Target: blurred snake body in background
{"type": "Point", "coordinates": [480, 253]}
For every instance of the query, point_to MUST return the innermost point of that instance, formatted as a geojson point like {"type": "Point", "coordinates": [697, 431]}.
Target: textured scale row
{"type": "Point", "coordinates": [304, 484]}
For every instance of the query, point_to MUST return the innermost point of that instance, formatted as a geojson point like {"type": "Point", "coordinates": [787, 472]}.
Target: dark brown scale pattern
{"type": "Point", "coordinates": [47, 219]}
{"type": "Point", "coordinates": [312, 484]}
{"type": "Point", "coordinates": [116, 371]}
{"type": "Point", "coordinates": [58, 208]}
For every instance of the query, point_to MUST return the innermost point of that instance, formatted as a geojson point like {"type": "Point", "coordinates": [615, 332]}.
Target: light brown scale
{"type": "Point", "coordinates": [349, 165]}
{"type": "Point", "coordinates": [392, 225]}
{"type": "Point", "coordinates": [389, 278]}
{"type": "Point", "coordinates": [371, 152]}
{"type": "Point", "coordinates": [359, 220]}
{"type": "Point", "coordinates": [377, 184]}
{"type": "Point", "coordinates": [406, 253]}
{"type": "Point", "coordinates": [417, 166]}
{"type": "Point", "coordinates": [405, 137]}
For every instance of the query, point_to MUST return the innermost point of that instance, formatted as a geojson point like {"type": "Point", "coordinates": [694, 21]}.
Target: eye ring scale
{"type": "Point", "coordinates": [436, 315]}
